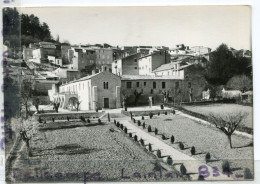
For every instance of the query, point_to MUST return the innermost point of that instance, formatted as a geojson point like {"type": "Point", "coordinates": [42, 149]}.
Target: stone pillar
{"type": "Point", "coordinates": [150, 101]}
{"type": "Point", "coordinates": [94, 97]}
{"type": "Point", "coordinates": [118, 97]}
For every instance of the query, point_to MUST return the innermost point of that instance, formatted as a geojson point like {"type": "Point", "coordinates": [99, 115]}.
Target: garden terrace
{"type": "Point", "coordinates": [72, 115]}
{"type": "Point", "coordinates": [103, 148]}
{"type": "Point", "coordinates": [204, 111]}
{"type": "Point", "coordinates": [204, 138]}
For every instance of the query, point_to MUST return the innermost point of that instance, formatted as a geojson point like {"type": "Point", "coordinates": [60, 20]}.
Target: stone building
{"type": "Point", "coordinates": [83, 58]}
{"type": "Point", "coordinates": [27, 54]}
{"type": "Point", "coordinates": [147, 63]}
{"type": "Point", "coordinates": [42, 50]}
{"type": "Point", "coordinates": [66, 75]}
{"type": "Point", "coordinates": [97, 91]}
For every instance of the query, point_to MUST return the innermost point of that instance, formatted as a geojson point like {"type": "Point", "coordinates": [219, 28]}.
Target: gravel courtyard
{"type": "Point", "coordinates": [205, 139]}
{"type": "Point", "coordinates": [223, 109]}
{"type": "Point", "coordinates": [65, 154]}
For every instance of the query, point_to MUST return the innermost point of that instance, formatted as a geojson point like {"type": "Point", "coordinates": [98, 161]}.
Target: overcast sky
{"type": "Point", "coordinates": [191, 25]}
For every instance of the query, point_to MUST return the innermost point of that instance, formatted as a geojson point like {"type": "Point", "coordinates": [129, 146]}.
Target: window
{"type": "Point", "coordinates": [129, 85]}
{"type": "Point", "coordinates": [136, 68]}
{"type": "Point", "coordinates": [137, 84]}
{"type": "Point", "coordinates": [135, 60]}
{"type": "Point", "coordinates": [105, 84]}
{"type": "Point", "coordinates": [144, 83]}
{"type": "Point", "coordinates": [154, 85]}
{"type": "Point", "coordinates": [151, 91]}
{"type": "Point", "coordinates": [163, 85]}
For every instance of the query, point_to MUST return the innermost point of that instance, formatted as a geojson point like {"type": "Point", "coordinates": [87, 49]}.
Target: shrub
{"type": "Point", "coordinates": [88, 120]}
{"type": "Point", "coordinates": [144, 125]}
{"type": "Point", "coordinates": [115, 121]}
{"type": "Point", "coordinates": [118, 124]}
{"type": "Point", "coordinates": [172, 139]}
{"type": "Point", "coordinates": [122, 126]}
{"type": "Point", "coordinates": [201, 178]}
{"type": "Point", "coordinates": [82, 119]}
{"type": "Point", "coordinates": [149, 128]}
{"type": "Point", "coordinates": [130, 135]}
{"type": "Point", "coordinates": [193, 151]}
{"type": "Point", "coordinates": [131, 114]}
{"type": "Point", "coordinates": [158, 113]}
{"type": "Point", "coordinates": [99, 120]}
{"type": "Point", "coordinates": [165, 112]}
{"type": "Point", "coordinates": [183, 170]}
{"type": "Point", "coordinates": [40, 121]}
{"type": "Point", "coordinates": [164, 137]}
{"type": "Point", "coordinates": [135, 138]}
{"type": "Point", "coordinates": [181, 146]}
{"type": "Point", "coordinates": [156, 131]}
{"type": "Point", "coordinates": [134, 120]}
{"type": "Point", "coordinates": [150, 147]}
{"type": "Point", "coordinates": [125, 130]}
{"type": "Point", "coordinates": [169, 160]}
{"type": "Point", "coordinates": [142, 142]}
{"type": "Point", "coordinates": [162, 107]}
{"type": "Point", "coordinates": [139, 123]}
{"type": "Point", "coordinates": [159, 154]}
{"type": "Point", "coordinates": [248, 174]}
{"type": "Point", "coordinates": [151, 115]}
{"type": "Point", "coordinates": [142, 117]}
{"type": "Point", "coordinates": [226, 167]}
{"type": "Point", "coordinates": [207, 157]}
{"type": "Point", "coordinates": [173, 111]}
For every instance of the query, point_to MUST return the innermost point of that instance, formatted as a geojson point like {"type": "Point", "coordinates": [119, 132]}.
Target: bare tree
{"type": "Point", "coordinates": [56, 105]}
{"type": "Point", "coordinates": [137, 95]}
{"type": "Point", "coordinates": [125, 96]}
{"type": "Point", "coordinates": [166, 95]}
{"type": "Point", "coordinates": [26, 93]}
{"type": "Point", "coordinates": [36, 103]}
{"type": "Point", "coordinates": [228, 123]}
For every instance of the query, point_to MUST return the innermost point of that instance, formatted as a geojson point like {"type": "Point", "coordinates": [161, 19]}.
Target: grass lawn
{"type": "Point", "coordinates": [205, 139]}
{"type": "Point", "coordinates": [223, 109]}
{"type": "Point", "coordinates": [93, 149]}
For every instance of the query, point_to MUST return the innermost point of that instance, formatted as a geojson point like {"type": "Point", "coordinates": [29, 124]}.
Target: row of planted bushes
{"type": "Point", "coordinates": [64, 116]}
{"type": "Point", "coordinates": [81, 118]}
{"type": "Point", "coordinates": [172, 138]}
{"type": "Point", "coordinates": [204, 117]}
{"type": "Point", "coordinates": [146, 113]}
{"type": "Point", "coordinates": [226, 169]}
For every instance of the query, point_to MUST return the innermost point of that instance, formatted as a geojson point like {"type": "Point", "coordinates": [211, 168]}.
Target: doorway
{"type": "Point", "coordinates": [106, 102]}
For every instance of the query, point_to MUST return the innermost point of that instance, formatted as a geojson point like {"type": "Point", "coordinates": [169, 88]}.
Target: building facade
{"type": "Point", "coordinates": [101, 90]}
{"type": "Point", "coordinates": [148, 63]}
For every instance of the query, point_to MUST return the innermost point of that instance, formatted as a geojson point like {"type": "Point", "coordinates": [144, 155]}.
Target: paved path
{"type": "Point", "coordinates": [210, 124]}
{"type": "Point", "coordinates": [178, 157]}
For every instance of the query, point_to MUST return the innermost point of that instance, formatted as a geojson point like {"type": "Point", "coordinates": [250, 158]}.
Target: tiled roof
{"type": "Point", "coordinates": [147, 77]}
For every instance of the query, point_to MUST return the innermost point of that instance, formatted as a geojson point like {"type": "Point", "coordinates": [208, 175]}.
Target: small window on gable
{"type": "Point", "coordinates": [137, 84]}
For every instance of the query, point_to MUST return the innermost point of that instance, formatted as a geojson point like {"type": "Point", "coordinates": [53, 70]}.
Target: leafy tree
{"type": "Point", "coordinates": [137, 95]}
{"type": "Point", "coordinates": [240, 82]}
{"type": "Point", "coordinates": [228, 123]}
{"type": "Point", "coordinates": [224, 65]}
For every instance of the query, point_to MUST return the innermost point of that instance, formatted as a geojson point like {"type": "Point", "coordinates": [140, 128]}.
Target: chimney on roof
{"type": "Point", "coordinates": [93, 71]}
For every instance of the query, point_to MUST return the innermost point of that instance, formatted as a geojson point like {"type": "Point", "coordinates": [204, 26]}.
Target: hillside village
{"type": "Point", "coordinates": [173, 75]}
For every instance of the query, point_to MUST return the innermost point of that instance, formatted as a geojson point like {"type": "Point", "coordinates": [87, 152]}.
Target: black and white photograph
{"type": "Point", "coordinates": [128, 94]}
